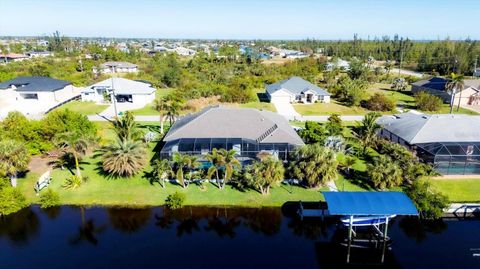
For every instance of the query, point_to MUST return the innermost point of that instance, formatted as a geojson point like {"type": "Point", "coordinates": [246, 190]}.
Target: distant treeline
{"type": "Point", "coordinates": [440, 56]}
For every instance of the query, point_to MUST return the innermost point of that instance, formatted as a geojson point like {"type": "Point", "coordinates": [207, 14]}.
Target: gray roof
{"type": "Point", "coordinates": [35, 84]}
{"type": "Point", "coordinates": [296, 85]}
{"type": "Point", "coordinates": [438, 83]}
{"type": "Point", "coordinates": [418, 128]}
{"type": "Point", "coordinates": [223, 122]}
{"type": "Point", "coordinates": [118, 64]}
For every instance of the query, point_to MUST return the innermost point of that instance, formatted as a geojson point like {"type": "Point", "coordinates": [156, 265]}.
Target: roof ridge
{"type": "Point", "coordinates": [201, 113]}
{"type": "Point", "coordinates": [428, 120]}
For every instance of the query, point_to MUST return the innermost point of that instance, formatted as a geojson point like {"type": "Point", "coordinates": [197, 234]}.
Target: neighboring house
{"type": "Point", "coordinates": [451, 143]}
{"type": "Point", "coordinates": [339, 63]}
{"type": "Point", "coordinates": [34, 95]}
{"type": "Point", "coordinates": [247, 131]}
{"type": "Point", "coordinates": [436, 86]}
{"type": "Point", "coordinates": [296, 90]}
{"type": "Point", "coordinates": [132, 91]}
{"type": "Point", "coordinates": [39, 54]}
{"type": "Point", "coordinates": [476, 73]}
{"type": "Point", "coordinates": [116, 67]}
{"type": "Point", "coordinates": [12, 57]}
{"type": "Point", "coordinates": [182, 51]}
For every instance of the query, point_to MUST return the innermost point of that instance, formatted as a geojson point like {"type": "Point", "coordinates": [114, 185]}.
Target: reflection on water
{"type": "Point", "coordinates": [206, 237]}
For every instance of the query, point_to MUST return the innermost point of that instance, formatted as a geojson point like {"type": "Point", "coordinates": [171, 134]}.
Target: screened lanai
{"type": "Point", "coordinates": [247, 149]}
{"type": "Point", "coordinates": [452, 158]}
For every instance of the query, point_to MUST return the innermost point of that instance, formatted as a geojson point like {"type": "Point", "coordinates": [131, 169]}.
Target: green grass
{"type": "Point", "coordinates": [85, 108]}
{"type": "Point", "coordinates": [257, 105]}
{"type": "Point", "coordinates": [137, 191]}
{"type": "Point", "coordinates": [459, 190]}
{"type": "Point", "coordinates": [328, 109]}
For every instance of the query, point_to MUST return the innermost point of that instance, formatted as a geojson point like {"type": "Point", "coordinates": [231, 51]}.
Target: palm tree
{"type": "Point", "coordinates": [124, 158]}
{"type": "Point", "coordinates": [180, 162]}
{"type": "Point", "coordinates": [126, 128]}
{"type": "Point", "coordinates": [266, 173]}
{"type": "Point", "coordinates": [75, 143]}
{"type": "Point", "coordinates": [367, 130]}
{"type": "Point", "coordinates": [191, 164]}
{"type": "Point", "coordinates": [454, 86]}
{"type": "Point", "coordinates": [13, 158]}
{"type": "Point", "coordinates": [216, 159]}
{"type": "Point", "coordinates": [384, 173]}
{"type": "Point", "coordinates": [172, 108]}
{"type": "Point", "coordinates": [162, 170]}
{"type": "Point", "coordinates": [314, 164]}
{"type": "Point", "coordinates": [349, 162]}
{"type": "Point", "coordinates": [230, 163]}
{"type": "Point", "coordinates": [159, 105]}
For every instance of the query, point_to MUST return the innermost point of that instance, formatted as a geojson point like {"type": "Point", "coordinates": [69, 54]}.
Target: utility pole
{"type": "Point", "coordinates": [475, 64]}
{"type": "Point", "coordinates": [401, 59]}
{"type": "Point", "coordinates": [114, 99]}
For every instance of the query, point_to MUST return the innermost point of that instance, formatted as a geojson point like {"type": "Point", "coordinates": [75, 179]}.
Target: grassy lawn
{"type": "Point", "coordinates": [459, 190]}
{"type": "Point", "coordinates": [257, 105]}
{"type": "Point", "coordinates": [137, 191]}
{"type": "Point", "coordinates": [85, 108]}
{"type": "Point", "coordinates": [328, 109]}
{"type": "Point", "coordinates": [148, 109]}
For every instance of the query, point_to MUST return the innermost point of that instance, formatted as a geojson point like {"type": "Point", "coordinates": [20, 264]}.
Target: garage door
{"type": "Point", "coordinates": [281, 99]}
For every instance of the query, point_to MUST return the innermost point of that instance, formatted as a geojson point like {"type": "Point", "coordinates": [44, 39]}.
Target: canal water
{"type": "Point", "coordinates": [200, 237]}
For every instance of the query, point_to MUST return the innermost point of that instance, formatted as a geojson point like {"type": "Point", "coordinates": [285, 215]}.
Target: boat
{"type": "Point", "coordinates": [367, 220]}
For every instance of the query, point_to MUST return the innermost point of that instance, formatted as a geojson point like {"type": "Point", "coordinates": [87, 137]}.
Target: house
{"type": "Point", "coordinates": [296, 90]}
{"type": "Point", "coordinates": [476, 72]}
{"type": "Point", "coordinates": [436, 86]}
{"type": "Point", "coordinates": [12, 57]}
{"type": "Point", "coordinates": [248, 131]}
{"type": "Point", "coordinates": [137, 92]}
{"type": "Point", "coordinates": [451, 143]}
{"type": "Point", "coordinates": [116, 67]}
{"type": "Point", "coordinates": [182, 51]}
{"type": "Point", "coordinates": [39, 54]}
{"type": "Point", "coordinates": [339, 63]}
{"type": "Point", "coordinates": [34, 95]}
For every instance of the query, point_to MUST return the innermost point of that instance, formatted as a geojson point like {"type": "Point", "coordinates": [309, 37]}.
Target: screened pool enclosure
{"type": "Point", "coordinates": [452, 158]}
{"type": "Point", "coordinates": [247, 150]}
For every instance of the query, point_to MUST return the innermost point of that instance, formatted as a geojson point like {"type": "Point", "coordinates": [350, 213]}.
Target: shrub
{"type": "Point", "coordinates": [175, 200]}
{"type": "Point", "coordinates": [427, 102]}
{"type": "Point", "coordinates": [72, 182]}
{"type": "Point", "coordinates": [379, 102]}
{"type": "Point", "coordinates": [49, 198]}
{"type": "Point", "coordinates": [429, 203]}
{"type": "Point", "coordinates": [11, 200]}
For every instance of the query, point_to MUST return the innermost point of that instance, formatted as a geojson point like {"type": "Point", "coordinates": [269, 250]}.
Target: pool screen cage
{"type": "Point", "coordinates": [247, 150]}
{"type": "Point", "coordinates": [452, 158]}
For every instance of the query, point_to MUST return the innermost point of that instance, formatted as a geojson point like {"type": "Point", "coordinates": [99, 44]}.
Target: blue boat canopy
{"type": "Point", "coordinates": [369, 203]}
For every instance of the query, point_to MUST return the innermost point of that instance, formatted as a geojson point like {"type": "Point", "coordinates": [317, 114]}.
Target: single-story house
{"type": "Point", "coordinates": [12, 57]}
{"type": "Point", "coordinates": [125, 90]}
{"type": "Point", "coordinates": [33, 95]}
{"type": "Point", "coordinates": [248, 131]}
{"type": "Point", "coordinates": [437, 86]}
{"type": "Point", "coordinates": [450, 142]}
{"type": "Point", "coordinates": [39, 54]}
{"type": "Point", "coordinates": [296, 90]}
{"type": "Point", "coordinates": [116, 67]}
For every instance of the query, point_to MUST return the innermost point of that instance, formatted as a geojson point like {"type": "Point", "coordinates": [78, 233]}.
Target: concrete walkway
{"type": "Point", "coordinates": [286, 109]}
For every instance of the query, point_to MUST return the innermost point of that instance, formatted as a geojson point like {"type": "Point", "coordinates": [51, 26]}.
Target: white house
{"type": "Point", "coordinates": [296, 90]}
{"type": "Point", "coordinates": [139, 93]}
{"type": "Point", "coordinates": [39, 54]}
{"type": "Point", "coordinates": [12, 57]}
{"type": "Point", "coordinates": [34, 95]}
{"type": "Point", "coordinates": [182, 51]}
{"type": "Point", "coordinates": [116, 67]}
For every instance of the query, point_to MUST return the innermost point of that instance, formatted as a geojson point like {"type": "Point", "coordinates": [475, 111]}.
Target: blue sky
{"type": "Point", "coordinates": [246, 19]}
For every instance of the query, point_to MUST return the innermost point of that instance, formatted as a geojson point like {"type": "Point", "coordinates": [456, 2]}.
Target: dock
{"type": "Point", "coordinates": [462, 210]}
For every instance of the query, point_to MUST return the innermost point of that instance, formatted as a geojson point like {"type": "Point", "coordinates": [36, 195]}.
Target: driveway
{"type": "Point", "coordinates": [121, 107]}
{"type": "Point", "coordinates": [286, 110]}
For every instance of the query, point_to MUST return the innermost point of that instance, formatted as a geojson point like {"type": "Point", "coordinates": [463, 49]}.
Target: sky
{"type": "Point", "coordinates": [246, 19]}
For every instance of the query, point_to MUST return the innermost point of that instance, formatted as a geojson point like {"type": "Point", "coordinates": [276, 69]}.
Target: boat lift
{"type": "Point", "coordinates": [364, 209]}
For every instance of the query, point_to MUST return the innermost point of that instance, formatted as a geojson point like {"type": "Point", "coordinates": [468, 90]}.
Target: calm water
{"type": "Point", "coordinates": [74, 237]}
